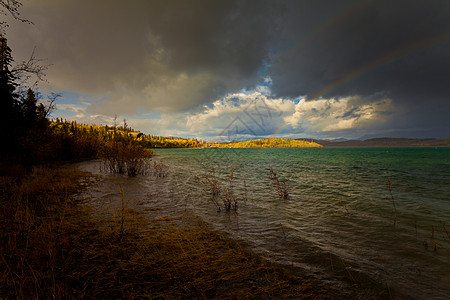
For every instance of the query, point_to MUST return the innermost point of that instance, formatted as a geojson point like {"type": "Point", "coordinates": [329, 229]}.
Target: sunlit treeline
{"type": "Point", "coordinates": [268, 143]}
{"type": "Point", "coordinates": [171, 142]}
{"type": "Point", "coordinates": [105, 132]}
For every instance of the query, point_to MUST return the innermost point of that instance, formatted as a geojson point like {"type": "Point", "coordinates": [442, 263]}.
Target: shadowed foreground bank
{"type": "Point", "coordinates": [53, 246]}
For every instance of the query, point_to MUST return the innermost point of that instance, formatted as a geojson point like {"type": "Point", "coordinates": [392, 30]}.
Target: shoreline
{"type": "Point", "coordinates": [74, 251]}
{"type": "Point", "coordinates": [343, 280]}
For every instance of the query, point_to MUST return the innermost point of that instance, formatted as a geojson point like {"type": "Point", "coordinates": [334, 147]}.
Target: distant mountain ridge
{"type": "Point", "coordinates": [387, 142]}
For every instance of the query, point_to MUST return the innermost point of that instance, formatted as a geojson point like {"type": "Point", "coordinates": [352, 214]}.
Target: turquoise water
{"type": "Point", "coordinates": [336, 214]}
{"type": "Point", "coordinates": [337, 208]}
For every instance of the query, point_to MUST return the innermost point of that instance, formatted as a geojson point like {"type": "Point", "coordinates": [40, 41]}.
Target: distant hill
{"type": "Point", "coordinates": [267, 143]}
{"type": "Point", "coordinates": [387, 142]}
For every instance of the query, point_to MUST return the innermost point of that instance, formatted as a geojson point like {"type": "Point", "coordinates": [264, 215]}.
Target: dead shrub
{"type": "Point", "coordinates": [124, 155]}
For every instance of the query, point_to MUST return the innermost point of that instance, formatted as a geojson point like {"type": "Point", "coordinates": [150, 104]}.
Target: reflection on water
{"type": "Point", "coordinates": [336, 213]}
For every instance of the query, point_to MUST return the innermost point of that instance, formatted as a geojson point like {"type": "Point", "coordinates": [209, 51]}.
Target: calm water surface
{"type": "Point", "coordinates": [337, 212]}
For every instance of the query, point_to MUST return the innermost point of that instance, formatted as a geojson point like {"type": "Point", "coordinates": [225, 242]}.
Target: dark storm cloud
{"type": "Point", "coordinates": [400, 48]}
{"type": "Point", "coordinates": [336, 37]}
{"type": "Point", "coordinates": [228, 37]}
{"type": "Point", "coordinates": [168, 55]}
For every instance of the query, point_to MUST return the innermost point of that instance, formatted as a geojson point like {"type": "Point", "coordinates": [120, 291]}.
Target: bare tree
{"type": "Point", "coordinates": [31, 68]}
{"type": "Point", "coordinates": [12, 7]}
{"type": "Point", "coordinates": [24, 71]}
{"type": "Point", "coordinates": [26, 74]}
{"type": "Point", "coordinates": [50, 105]}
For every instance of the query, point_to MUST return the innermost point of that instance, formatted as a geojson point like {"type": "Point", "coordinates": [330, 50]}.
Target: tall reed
{"type": "Point", "coordinates": [159, 169]}
{"type": "Point", "coordinates": [214, 187]}
{"type": "Point", "coordinates": [123, 209]}
{"type": "Point", "coordinates": [280, 186]}
{"type": "Point", "coordinates": [446, 232]}
{"type": "Point", "coordinates": [230, 201]}
{"type": "Point", "coordinates": [222, 194]}
{"type": "Point", "coordinates": [390, 197]}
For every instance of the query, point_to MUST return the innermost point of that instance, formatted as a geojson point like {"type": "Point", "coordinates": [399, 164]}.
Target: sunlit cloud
{"type": "Point", "coordinates": [76, 112]}
{"type": "Point", "coordinates": [325, 115]}
{"type": "Point", "coordinates": [246, 115]}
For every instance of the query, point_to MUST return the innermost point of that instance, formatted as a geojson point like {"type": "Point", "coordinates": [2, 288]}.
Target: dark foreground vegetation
{"type": "Point", "coordinates": [53, 246]}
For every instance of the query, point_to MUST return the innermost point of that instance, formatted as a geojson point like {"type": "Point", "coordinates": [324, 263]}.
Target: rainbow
{"type": "Point", "coordinates": [324, 26]}
{"type": "Point", "coordinates": [388, 58]}
{"type": "Point", "coordinates": [383, 60]}
{"type": "Point", "coordinates": [278, 130]}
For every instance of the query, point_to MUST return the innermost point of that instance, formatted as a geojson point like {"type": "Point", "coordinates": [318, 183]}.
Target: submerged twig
{"type": "Point", "coordinates": [227, 196]}
{"type": "Point", "coordinates": [446, 231]}
{"type": "Point", "coordinates": [124, 205]}
{"type": "Point", "coordinates": [391, 198]}
{"type": "Point", "coordinates": [281, 187]}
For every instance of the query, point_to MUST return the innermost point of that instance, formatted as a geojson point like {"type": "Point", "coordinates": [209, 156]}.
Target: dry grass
{"type": "Point", "coordinates": [52, 246]}
{"type": "Point", "coordinates": [166, 262]}
{"type": "Point", "coordinates": [37, 222]}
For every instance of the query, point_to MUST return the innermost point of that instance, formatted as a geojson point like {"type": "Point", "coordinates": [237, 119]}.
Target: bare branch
{"type": "Point", "coordinates": [51, 105]}
{"type": "Point", "coordinates": [29, 69]}
{"type": "Point", "coordinates": [12, 6]}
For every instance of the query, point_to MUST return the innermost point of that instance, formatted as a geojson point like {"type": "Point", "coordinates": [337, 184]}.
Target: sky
{"type": "Point", "coordinates": [232, 70]}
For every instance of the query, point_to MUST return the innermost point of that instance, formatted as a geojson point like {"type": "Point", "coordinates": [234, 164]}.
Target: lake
{"type": "Point", "coordinates": [336, 217]}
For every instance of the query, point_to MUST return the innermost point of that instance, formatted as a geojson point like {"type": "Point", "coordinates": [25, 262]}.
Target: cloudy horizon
{"type": "Point", "coordinates": [246, 69]}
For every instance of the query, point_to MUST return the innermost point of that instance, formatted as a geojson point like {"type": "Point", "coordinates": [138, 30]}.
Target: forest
{"type": "Point", "coordinates": [267, 143]}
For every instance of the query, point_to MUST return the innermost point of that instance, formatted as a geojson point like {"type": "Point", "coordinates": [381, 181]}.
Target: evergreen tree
{"type": "Point", "coordinates": [9, 105]}
{"type": "Point", "coordinates": [29, 110]}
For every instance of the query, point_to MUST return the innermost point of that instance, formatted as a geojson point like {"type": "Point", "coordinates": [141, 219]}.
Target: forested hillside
{"type": "Point", "coordinates": [268, 143]}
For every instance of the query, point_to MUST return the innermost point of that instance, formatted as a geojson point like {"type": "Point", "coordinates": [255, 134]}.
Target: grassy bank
{"type": "Point", "coordinates": [54, 246]}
